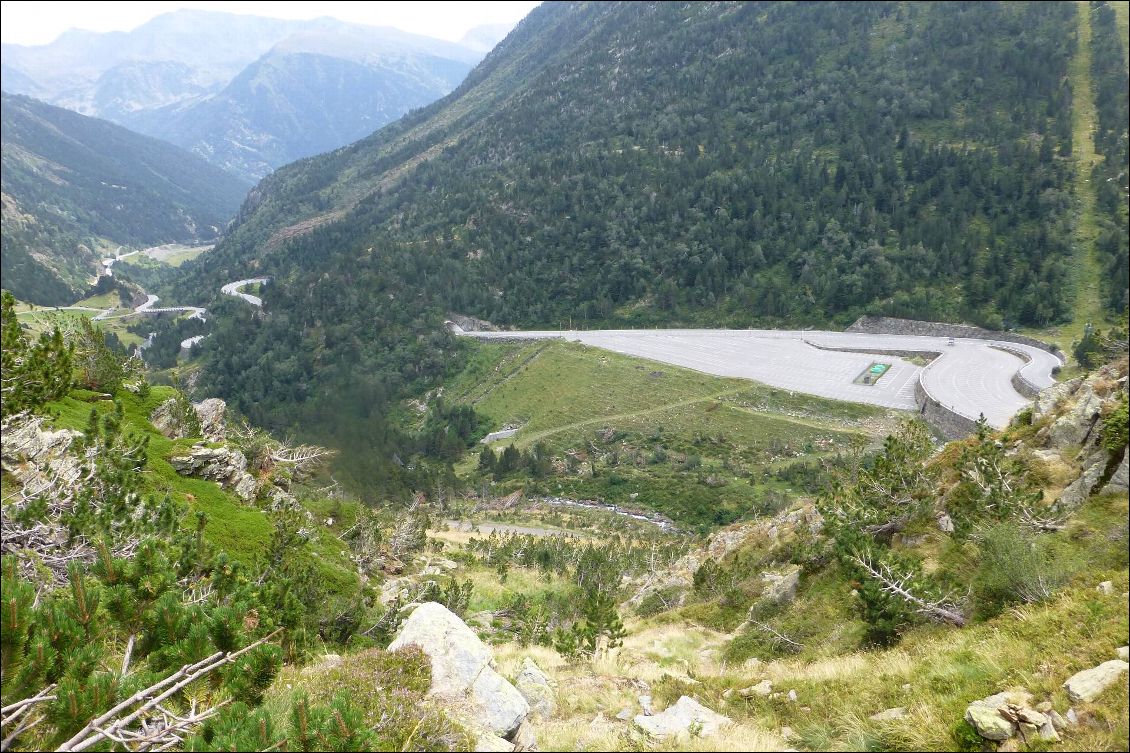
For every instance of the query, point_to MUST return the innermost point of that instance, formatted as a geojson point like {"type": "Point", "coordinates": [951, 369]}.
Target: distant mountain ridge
{"type": "Point", "coordinates": [71, 183]}
{"type": "Point", "coordinates": [231, 88]}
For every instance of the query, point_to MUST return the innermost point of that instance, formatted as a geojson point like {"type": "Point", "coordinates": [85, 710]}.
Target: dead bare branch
{"type": "Point", "coordinates": [899, 585]}
{"type": "Point", "coordinates": [113, 725]}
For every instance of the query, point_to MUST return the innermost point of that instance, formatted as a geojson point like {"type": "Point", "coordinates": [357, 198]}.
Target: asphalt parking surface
{"type": "Point", "coordinates": [971, 377]}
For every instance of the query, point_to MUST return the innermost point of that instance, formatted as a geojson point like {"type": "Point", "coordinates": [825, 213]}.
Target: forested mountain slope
{"type": "Point", "coordinates": [71, 183]}
{"type": "Point", "coordinates": [799, 162]}
{"type": "Point", "coordinates": [638, 163]}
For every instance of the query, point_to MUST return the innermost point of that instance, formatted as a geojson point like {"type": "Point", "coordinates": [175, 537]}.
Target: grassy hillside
{"type": "Point", "coordinates": [700, 448]}
{"type": "Point", "coordinates": [1054, 605]}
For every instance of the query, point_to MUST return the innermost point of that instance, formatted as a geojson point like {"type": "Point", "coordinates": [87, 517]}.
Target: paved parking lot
{"type": "Point", "coordinates": [970, 377]}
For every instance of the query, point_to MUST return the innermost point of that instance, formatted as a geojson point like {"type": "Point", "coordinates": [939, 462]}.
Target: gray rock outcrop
{"type": "Point", "coordinates": [679, 718]}
{"type": "Point", "coordinates": [167, 419]}
{"type": "Point", "coordinates": [1119, 482]}
{"type": "Point", "coordinates": [462, 671]}
{"type": "Point", "coordinates": [1049, 398]}
{"type": "Point", "coordinates": [211, 414]}
{"type": "Point", "coordinates": [780, 588]}
{"type": "Point", "coordinates": [224, 466]}
{"type": "Point", "coordinates": [1076, 493]}
{"type": "Point", "coordinates": [1077, 423]}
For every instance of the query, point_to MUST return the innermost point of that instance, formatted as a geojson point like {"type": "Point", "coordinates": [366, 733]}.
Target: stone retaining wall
{"type": "Point", "coordinates": [889, 325]}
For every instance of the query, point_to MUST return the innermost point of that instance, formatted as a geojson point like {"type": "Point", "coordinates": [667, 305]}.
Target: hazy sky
{"type": "Point", "coordinates": [27, 22]}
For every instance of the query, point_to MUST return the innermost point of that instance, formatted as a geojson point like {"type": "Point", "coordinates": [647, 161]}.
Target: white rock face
{"type": "Point", "coordinates": [1087, 685]}
{"type": "Point", "coordinates": [211, 414]}
{"type": "Point", "coordinates": [679, 718]}
{"type": "Point", "coordinates": [462, 669]}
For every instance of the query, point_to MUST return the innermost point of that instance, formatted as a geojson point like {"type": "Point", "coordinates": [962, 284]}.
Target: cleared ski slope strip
{"type": "Point", "coordinates": [970, 377]}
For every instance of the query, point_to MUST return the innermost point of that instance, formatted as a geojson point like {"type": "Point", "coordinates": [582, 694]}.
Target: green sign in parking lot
{"type": "Point", "coordinates": [872, 373]}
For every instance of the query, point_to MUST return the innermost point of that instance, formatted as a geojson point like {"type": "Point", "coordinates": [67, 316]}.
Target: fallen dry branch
{"type": "Point", "coordinates": [782, 638]}
{"type": "Point", "coordinates": [158, 729]}
{"type": "Point", "coordinates": [899, 585]}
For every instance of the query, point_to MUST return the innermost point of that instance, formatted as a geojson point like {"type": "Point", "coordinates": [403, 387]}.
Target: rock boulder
{"type": "Point", "coordinates": [462, 670]}
{"type": "Point", "coordinates": [1087, 685]}
{"type": "Point", "coordinates": [679, 718]}
{"type": "Point", "coordinates": [537, 689]}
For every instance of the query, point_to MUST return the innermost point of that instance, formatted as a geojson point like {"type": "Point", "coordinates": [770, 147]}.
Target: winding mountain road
{"type": "Point", "coordinates": [970, 377]}
{"type": "Point", "coordinates": [233, 288]}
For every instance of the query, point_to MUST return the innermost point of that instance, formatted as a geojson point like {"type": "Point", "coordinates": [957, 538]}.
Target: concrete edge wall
{"type": "Point", "coordinates": [929, 355]}
{"type": "Point", "coordinates": [950, 423]}
{"type": "Point", "coordinates": [889, 325]}
{"type": "Point", "coordinates": [1019, 382]}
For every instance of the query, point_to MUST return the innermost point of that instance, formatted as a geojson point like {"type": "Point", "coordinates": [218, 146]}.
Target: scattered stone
{"type": "Point", "coordinates": [462, 670]}
{"type": "Point", "coordinates": [1087, 685]}
{"type": "Point", "coordinates": [996, 717]}
{"type": "Point", "coordinates": [488, 743]}
{"type": "Point", "coordinates": [1106, 588]}
{"type": "Point", "coordinates": [728, 693]}
{"type": "Point", "coordinates": [537, 689]}
{"type": "Point", "coordinates": [329, 661]}
{"type": "Point", "coordinates": [889, 715]}
{"type": "Point", "coordinates": [1072, 717]}
{"type": "Point", "coordinates": [1048, 732]}
{"type": "Point", "coordinates": [1124, 653]}
{"type": "Point", "coordinates": [945, 523]}
{"type": "Point", "coordinates": [1058, 721]}
{"type": "Point", "coordinates": [625, 714]}
{"type": "Point", "coordinates": [1044, 707]}
{"type": "Point", "coordinates": [792, 696]}
{"type": "Point", "coordinates": [906, 687]}
{"type": "Point", "coordinates": [1032, 717]}
{"type": "Point", "coordinates": [679, 718]}
{"type": "Point", "coordinates": [645, 704]}
{"type": "Point", "coordinates": [763, 688]}
{"type": "Point", "coordinates": [988, 722]}
{"type": "Point", "coordinates": [787, 733]}
{"type": "Point", "coordinates": [524, 738]}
